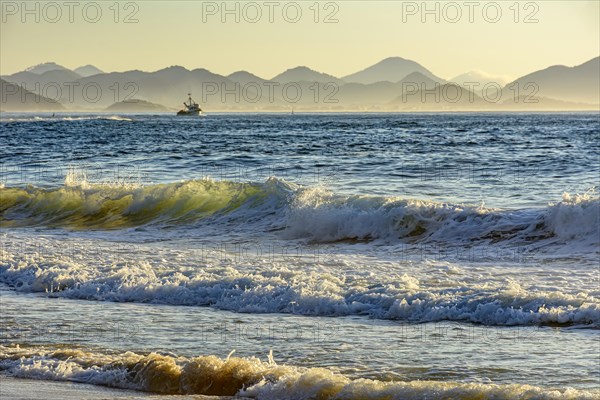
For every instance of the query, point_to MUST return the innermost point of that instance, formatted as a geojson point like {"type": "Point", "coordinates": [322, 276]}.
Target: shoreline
{"type": "Point", "coordinates": [33, 389]}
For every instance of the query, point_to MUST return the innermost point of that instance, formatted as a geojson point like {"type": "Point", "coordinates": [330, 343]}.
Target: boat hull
{"type": "Point", "coordinates": [184, 113]}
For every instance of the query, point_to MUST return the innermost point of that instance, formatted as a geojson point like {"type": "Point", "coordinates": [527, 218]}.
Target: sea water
{"type": "Point", "coordinates": [303, 256]}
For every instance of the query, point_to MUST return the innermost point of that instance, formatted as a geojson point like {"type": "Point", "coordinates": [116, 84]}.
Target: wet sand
{"type": "Point", "coordinates": [29, 389]}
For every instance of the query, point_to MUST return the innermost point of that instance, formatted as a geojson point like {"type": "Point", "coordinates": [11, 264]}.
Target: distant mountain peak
{"type": "Point", "coordinates": [175, 68]}
{"type": "Point", "coordinates": [392, 59]}
{"type": "Point", "coordinates": [480, 77]}
{"type": "Point", "coordinates": [301, 68]}
{"type": "Point", "coordinates": [391, 69]}
{"type": "Point", "coordinates": [240, 72]}
{"type": "Point", "coordinates": [415, 75]}
{"type": "Point", "coordinates": [303, 73]}
{"type": "Point", "coordinates": [88, 70]}
{"type": "Point", "coordinates": [580, 83]}
{"type": "Point", "coordinates": [203, 70]}
{"type": "Point", "coordinates": [375, 87]}
{"type": "Point", "coordinates": [244, 77]}
{"type": "Point", "coordinates": [45, 67]}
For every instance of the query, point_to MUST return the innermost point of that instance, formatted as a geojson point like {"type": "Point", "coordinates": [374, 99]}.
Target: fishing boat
{"type": "Point", "coordinates": [191, 108]}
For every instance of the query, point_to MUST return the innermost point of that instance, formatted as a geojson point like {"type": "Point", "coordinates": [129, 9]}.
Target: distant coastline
{"type": "Point", "coordinates": [392, 85]}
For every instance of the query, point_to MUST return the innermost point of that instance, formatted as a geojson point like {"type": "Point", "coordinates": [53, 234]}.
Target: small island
{"type": "Point", "coordinates": [137, 106]}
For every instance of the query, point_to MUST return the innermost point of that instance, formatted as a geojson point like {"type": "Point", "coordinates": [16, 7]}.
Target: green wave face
{"type": "Point", "coordinates": [110, 207]}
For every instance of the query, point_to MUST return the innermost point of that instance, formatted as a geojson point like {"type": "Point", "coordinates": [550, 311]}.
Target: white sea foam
{"type": "Point", "coordinates": [338, 283]}
{"type": "Point", "coordinates": [314, 214]}
{"type": "Point", "coordinates": [248, 377]}
{"type": "Point", "coordinates": [60, 117]}
{"type": "Point", "coordinates": [389, 285]}
{"type": "Point", "coordinates": [575, 216]}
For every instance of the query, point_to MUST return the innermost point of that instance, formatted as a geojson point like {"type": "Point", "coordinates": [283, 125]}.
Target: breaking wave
{"type": "Point", "coordinates": [314, 214]}
{"type": "Point", "coordinates": [296, 214]}
{"type": "Point", "coordinates": [340, 286]}
{"type": "Point", "coordinates": [85, 206]}
{"type": "Point", "coordinates": [248, 377]}
{"type": "Point", "coordinates": [67, 118]}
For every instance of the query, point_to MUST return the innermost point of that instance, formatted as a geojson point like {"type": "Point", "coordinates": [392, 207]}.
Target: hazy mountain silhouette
{"type": "Point", "coordinates": [388, 80]}
{"type": "Point", "coordinates": [244, 77]}
{"type": "Point", "coordinates": [170, 86]}
{"type": "Point", "coordinates": [476, 80]}
{"type": "Point", "coordinates": [45, 79]}
{"type": "Point", "coordinates": [381, 93]}
{"type": "Point", "coordinates": [479, 77]}
{"type": "Point", "coordinates": [479, 81]}
{"type": "Point", "coordinates": [49, 84]}
{"type": "Point", "coordinates": [136, 106]}
{"type": "Point", "coordinates": [45, 67]}
{"type": "Point", "coordinates": [83, 71]}
{"type": "Point", "coordinates": [392, 69]}
{"type": "Point", "coordinates": [449, 96]}
{"type": "Point", "coordinates": [15, 98]}
{"type": "Point", "coordinates": [577, 84]}
{"type": "Point", "coordinates": [28, 79]}
{"type": "Point", "coordinates": [305, 74]}
{"type": "Point", "coordinates": [536, 103]}
{"type": "Point", "coordinates": [374, 94]}
{"type": "Point", "coordinates": [423, 81]}
{"type": "Point", "coordinates": [87, 70]}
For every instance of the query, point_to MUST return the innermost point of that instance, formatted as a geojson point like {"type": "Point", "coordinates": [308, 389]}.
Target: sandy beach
{"type": "Point", "coordinates": [30, 389]}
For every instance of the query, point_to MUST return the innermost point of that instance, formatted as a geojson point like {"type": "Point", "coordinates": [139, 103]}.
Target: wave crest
{"type": "Point", "coordinates": [308, 213]}
{"type": "Point", "coordinates": [575, 216]}
{"type": "Point", "coordinates": [250, 377]}
{"type": "Point", "coordinates": [80, 205]}
{"type": "Point", "coordinates": [425, 292]}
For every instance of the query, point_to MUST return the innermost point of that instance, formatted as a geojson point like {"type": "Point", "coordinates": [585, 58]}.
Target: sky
{"type": "Point", "coordinates": [502, 38]}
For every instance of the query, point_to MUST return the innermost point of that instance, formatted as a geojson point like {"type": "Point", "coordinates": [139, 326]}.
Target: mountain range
{"type": "Point", "coordinates": [15, 98]}
{"type": "Point", "coordinates": [580, 83]}
{"type": "Point", "coordinates": [393, 84]}
{"type": "Point", "coordinates": [392, 69]}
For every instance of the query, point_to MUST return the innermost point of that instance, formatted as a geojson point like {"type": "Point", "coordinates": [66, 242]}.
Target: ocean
{"type": "Point", "coordinates": [306, 256]}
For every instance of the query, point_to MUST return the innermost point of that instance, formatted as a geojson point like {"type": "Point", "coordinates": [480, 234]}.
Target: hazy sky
{"type": "Point", "coordinates": [192, 34]}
